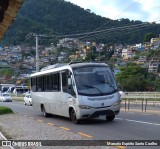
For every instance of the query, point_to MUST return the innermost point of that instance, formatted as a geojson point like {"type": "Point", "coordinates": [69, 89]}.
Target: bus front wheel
{"type": "Point", "coordinates": [110, 118]}
{"type": "Point", "coordinates": [73, 117]}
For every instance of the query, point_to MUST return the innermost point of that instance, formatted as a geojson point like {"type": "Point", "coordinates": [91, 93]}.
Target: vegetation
{"type": "Point", "coordinates": [5, 110]}
{"type": "Point", "coordinates": [58, 17]}
{"type": "Point", "coordinates": [135, 78]}
{"type": "Point", "coordinates": [149, 53]}
{"type": "Point", "coordinates": [148, 37]}
{"type": "Point", "coordinates": [6, 72]}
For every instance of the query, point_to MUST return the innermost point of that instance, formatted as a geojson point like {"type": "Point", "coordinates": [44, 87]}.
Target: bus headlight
{"type": "Point", "coordinates": [85, 107]}
{"type": "Point", "coordinates": [117, 103]}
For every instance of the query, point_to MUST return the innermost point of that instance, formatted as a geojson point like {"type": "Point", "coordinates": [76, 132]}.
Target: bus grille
{"type": "Point", "coordinates": [100, 98]}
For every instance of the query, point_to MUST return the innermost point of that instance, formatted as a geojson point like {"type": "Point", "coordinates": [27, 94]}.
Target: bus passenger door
{"type": "Point", "coordinates": [68, 94]}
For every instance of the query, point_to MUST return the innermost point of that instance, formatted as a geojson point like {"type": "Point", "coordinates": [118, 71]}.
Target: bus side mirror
{"type": "Point", "coordinates": [69, 82]}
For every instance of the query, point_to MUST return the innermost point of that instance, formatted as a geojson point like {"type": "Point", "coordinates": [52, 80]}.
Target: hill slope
{"type": "Point", "coordinates": [52, 17]}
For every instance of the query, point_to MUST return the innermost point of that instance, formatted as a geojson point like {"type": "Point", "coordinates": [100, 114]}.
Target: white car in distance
{"type": "Point", "coordinates": [5, 97]}
{"type": "Point", "coordinates": [28, 100]}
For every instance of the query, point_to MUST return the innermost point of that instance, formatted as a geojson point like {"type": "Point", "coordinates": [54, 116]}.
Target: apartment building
{"type": "Point", "coordinates": [154, 65]}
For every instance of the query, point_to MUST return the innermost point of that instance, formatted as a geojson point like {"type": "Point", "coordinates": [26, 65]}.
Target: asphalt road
{"type": "Point", "coordinates": [126, 126]}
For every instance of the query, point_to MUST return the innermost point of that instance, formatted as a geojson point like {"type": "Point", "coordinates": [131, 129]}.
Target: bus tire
{"type": "Point", "coordinates": [110, 118]}
{"type": "Point", "coordinates": [73, 117]}
{"type": "Point", "coordinates": [44, 112]}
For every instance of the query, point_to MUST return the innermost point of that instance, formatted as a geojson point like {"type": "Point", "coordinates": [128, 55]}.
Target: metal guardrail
{"type": "Point", "coordinates": [144, 100]}
{"type": "Point", "coordinates": [144, 95]}
{"type": "Point", "coordinates": [143, 104]}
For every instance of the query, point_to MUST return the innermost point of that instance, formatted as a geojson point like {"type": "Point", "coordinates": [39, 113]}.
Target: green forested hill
{"type": "Point", "coordinates": [56, 17]}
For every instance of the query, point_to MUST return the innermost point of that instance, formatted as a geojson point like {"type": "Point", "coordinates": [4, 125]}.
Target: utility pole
{"type": "Point", "coordinates": [37, 55]}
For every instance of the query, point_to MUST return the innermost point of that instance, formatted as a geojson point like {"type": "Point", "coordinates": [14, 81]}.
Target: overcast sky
{"type": "Point", "coordinates": [144, 10]}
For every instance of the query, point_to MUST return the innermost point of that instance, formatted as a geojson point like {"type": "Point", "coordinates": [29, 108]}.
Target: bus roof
{"type": "Point", "coordinates": [11, 85]}
{"type": "Point", "coordinates": [58, 67]}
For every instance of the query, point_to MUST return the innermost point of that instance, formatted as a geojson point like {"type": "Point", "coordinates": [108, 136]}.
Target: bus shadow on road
{"type": "Point", "coordinates": [96, 121]}
{"type": "Point", "coordinates": [83, 121]}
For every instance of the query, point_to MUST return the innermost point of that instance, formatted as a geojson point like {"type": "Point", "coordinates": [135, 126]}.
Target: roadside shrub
{"type": "Point", "coordinates": [5, 110]}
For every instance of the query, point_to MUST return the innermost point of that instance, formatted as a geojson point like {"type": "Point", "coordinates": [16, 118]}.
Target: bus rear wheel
{"type": "Point", "coordinates": [110, 118]}
{"type": "Point", "coordinates": [73, 117]}
{"type": "Point", "coordinates": [44, 112]}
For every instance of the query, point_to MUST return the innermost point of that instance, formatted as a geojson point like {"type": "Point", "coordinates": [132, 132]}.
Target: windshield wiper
{"type": "Point", "coordinates": [92, 87]}
{"type": "Point", "coordinates": [107, 84]}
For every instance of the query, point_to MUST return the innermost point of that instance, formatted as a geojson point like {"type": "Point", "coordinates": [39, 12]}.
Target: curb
{"type": "Point", "coordinates": [4, 138]}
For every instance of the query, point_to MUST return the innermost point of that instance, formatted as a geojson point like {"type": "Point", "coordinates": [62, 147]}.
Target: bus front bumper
{"type": "Point", "coordinates": [96, 112]}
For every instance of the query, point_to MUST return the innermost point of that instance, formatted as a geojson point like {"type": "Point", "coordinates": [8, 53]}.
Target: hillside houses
{"type": "Point", "coordinates": [155, 42]}
{"type": "Point", "coordinates": [154, 65]}
{"type": "Point", "coordinates": [142, 60]}
{"type": "Point", "coordinates": [127, 54]}
{"type": "Point", "coordinates": [24, 58]}
{"type": "Point", "coordinates": [68, 43]}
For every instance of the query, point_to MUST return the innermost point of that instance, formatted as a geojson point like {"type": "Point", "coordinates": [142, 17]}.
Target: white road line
{"type": "Point", "coordinates": [146, 114]}
{"type": "Point", "coordinates": [119, 118]}
{"type": "Point", "coordinates": [138, 121]}
{"type": "Point", "coordinates": [142, 122]}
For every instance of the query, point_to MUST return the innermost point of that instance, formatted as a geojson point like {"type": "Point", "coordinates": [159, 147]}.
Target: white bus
{"type": "Point", "coordinates": [4, 87]}
{"type": "Point", "coordinates": [76, 90]}
{"type": "Point", "coordinates": [21, 89]}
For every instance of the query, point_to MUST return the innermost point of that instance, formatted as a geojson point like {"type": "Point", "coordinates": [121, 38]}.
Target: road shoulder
{"type": "Point", "coordinates": [20, 127]}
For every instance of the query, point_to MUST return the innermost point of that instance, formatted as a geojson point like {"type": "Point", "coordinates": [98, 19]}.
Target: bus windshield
{"type": "Point", "coordinates": [94, 80]}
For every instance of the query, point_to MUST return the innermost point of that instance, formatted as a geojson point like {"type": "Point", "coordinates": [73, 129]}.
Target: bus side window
{"type": "Point", "coordinates": [36, 84]}
{"type": "Point", "coordinates": [56, 82]}
{"type": "Point", "coordinates": [39, 84]}
{"type": "Point", "coordinates": [33, 84]}
{"type": "Point", "coordinates": [48, 83]}
{"type": "Point", "coordinates": [72, 88]}
{"type": "Point", "coordinates": [51, 82]}
{"type": "Point", "coordinates": [66, 86]}
{"type": "Point", "coordinates": [64, 81]}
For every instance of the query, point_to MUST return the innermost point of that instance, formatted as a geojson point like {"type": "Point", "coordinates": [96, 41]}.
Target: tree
{"type": "Point", "coordinates": [132, 78]}
{"type": "Point", "coordinates": [147, 37]}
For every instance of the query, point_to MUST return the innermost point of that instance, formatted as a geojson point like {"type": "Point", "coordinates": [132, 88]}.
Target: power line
{"type": "Point", "coordinates": [100, 31]}
{"type": "Point", "coordinates": [116, 34]}
{"type": "Point", "coordinates": [95, 33]}
{"type": "Point", "coordinates": [116, 16]}
{"type": "Point", "coordinates": [115, 30]}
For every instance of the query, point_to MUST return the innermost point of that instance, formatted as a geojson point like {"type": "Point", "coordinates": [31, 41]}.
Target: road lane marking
{"type": "Point", "coordinates": [50, 124]}
{"type": "Point", "coordinates": [147, 114]}
{"type": "Point", "coordinates": [86, 135]}
{"type": "Point", "coordinates": [40, 121]}
{"type": "Point", "coordinates": [31, 117]}
{"type": "Point", "coordinates": [142, 122]}
{"type": "Point", "coordinates": [65, 128]}
{"type": "Point", "coordinates": [119, 119]}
